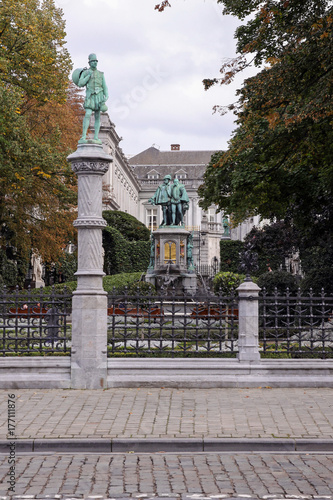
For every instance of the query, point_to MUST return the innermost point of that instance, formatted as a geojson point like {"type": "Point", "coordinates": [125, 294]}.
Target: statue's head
{"type": "Point", "coordinates": [167, 178]}
{"type": "Point", "coordinates": [92, 59]}
{"type": "Point", "coordinates": [176, 180]}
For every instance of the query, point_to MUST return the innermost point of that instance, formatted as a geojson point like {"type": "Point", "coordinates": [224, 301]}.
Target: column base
{"type": "Point", "coordinates": [89, 347]}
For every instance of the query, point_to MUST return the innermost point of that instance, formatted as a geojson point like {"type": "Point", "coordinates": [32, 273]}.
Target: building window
{"type": "Point", "coordinates": [211, 214]}
{"type": "Point", "coordinates": [153, 174]}
{"type": "Point", "coordinates": [180, 175]}
{"type": "Point", "coordinates": [151, 218]}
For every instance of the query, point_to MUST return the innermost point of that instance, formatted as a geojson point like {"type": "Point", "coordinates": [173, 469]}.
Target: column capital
{"type": "Point", "coordinates": [90, 158]}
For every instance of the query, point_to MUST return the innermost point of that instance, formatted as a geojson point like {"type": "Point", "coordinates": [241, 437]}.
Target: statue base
{"type": "Point", "coordinates": [172, 264]}
{"type": "Point", "coordinates": [90, 141]}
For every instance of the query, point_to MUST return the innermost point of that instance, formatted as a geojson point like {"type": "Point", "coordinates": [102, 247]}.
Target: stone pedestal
{"type": "Point", "coordinates": [248, 340]}
{"type": "Point", "coordinates": [171, 264]}
{"type": "Point", "coordinates": [89, 311]}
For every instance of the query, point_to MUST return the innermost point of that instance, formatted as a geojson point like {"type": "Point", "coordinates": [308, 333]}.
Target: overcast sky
{"type": "Point", "coordinates": [154, 64]}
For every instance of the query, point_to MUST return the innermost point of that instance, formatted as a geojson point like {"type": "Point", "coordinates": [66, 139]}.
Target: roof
{"type": "Point", "coordinates": [154, 157]}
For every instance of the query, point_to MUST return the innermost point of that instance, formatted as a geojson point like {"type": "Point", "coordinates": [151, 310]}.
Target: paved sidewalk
{"type": "Point", "coordinates": [195, 414]}
{"type": "Point", "coordinates": [86, 423]}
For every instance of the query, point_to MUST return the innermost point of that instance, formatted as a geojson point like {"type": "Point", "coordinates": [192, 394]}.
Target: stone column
{"type": "Point", "coordinates": [248, 339]}
{"type": "Point", "coordinates": [89, 307]}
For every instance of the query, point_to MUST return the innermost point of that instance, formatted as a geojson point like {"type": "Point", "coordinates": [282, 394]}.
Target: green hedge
{"type": "Point", "coordinates": [280, 280]}
{"type": "Point", "coordinates": [130, 227]}
{"type": "Point", "coordinates": [229, 255]}
{"type": "Point", "coordinates": [139, 252]}
{"type": "Point", "coordinates": [318, 278]}
{"type": "Point", "coordinates": [123, 256]}
{"type": "Point", "coordinates": [116, 252]}
{"type": "Point", "coordinates": [117, 282]}
{"type": "Point", "coordinates": [227, 282]}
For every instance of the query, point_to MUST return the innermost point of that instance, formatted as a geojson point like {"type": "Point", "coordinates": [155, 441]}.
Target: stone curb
{"type": "Point", "coordinates": [172, 445]}
{"type": "Point", "coordinates": [171, 496]}
{"type": "Point", "coordinates": [168, 496]}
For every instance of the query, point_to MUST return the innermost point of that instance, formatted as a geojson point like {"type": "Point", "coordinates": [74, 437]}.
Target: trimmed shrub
{"type": "Point", "coordinates": [317, 279]}
{"type": "Point", "coordinates": [116, 252]}
{"type": "Point", "coordinates": [118, 282]}
{"type": "Point", "coordinates": [139, 254]}
{"type": "Point", "coordinates": [227, 282]}
{"type": "Point", "coordinates": [130, 227]}
{"type": "Point", "coordinates": [121, 255]}
{"type": "Point", "coordinates": [229, 255]}
{"type": "Point", "coordinates": [141, 288]}
{"type": "Point", "coordinates": [281, 280]}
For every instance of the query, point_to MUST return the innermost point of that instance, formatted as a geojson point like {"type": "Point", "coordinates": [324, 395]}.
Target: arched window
{"type": "Point", "coordinates": [170, 252]}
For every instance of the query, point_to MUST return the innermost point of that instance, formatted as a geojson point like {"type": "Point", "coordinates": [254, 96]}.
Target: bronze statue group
{"type": "Point", "coordinates": [173, 199]}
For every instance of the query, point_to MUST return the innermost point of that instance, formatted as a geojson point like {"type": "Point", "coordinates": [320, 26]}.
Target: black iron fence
{"type": "Point", "coordinates": [34, 322]}
{"type": "Point", "coordinates": [166, 325]}
{"type": "Point", "coordinates": [172, 326]}
{"type": "Point", "coordinates": [299, 326]}
{"type": "Point", "coordinates": [207, 271]}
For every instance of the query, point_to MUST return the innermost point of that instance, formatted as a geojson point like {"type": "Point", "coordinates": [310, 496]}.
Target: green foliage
{"type": "Point", "coordinates": [227, 282]}
{"type": "Point", "coordinates": [33, 57]}
{"type": "Point", "coordinates": [67, 266]}
{"type": "Point", "coordinates": [37, 113]}
{"type": "Point", "coordinates": [139, 255]}
{"type": "Point", "coordinates": [318, 278]}
{"type": "Point", "coordinates": [272, 243]}
{"type": "Point", "coordinates": [32, 174]}
{"type": "Point", "coordinates": [229, 255]}
{"type": "Point", "coordinates": [122, 255]}
{"type": "Point", "coordinates": [141, 288]}
{"type": "Point", "coordinates": [118, 282]}
{"type": "Point", "coordinates": [281, 280]}
{"type": "Point", "coordinates": [279, 160]}
{"type": "Point", "coordinates": [130, 227]}
{"type": "Point", "coordinates": [8, 271]}
{"type": "Point", "coordinates": [116, 252]}
{"type": "Point", "coordinates": [70, 286]}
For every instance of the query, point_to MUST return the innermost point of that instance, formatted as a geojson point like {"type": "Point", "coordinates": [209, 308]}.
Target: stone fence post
{"type": "Point", "coordinates": [89, 307]}
{"type": "Point", "coordinates": [248, 339]}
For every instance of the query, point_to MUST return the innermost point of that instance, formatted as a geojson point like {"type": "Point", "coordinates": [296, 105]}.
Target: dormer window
{"type": "Point", "coordinates": [153, 174]}
{"type": "Point", "coordinates": [181, 174]}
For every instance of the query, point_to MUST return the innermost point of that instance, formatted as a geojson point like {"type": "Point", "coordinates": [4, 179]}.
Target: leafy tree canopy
{"type": "Point", "coordinates": [33, 56]}
{"type": "Point", "coordinates": [39, 126]}
{"type": "Point", "coordinates": [272, 243]}
{"type": "Point", "coordinates": [279, 161]}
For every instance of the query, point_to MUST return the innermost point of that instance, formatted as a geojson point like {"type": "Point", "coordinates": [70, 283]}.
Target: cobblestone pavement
{"type": "Point", "coordinates": [208, 474]}
{"type": "Point", "coordinates": [259, 475]}
{"type": "Point", "coordinates": [140, 413]}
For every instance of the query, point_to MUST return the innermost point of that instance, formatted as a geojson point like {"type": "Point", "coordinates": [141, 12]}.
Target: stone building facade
{"type": "Point", "coordinates": [120, 185]}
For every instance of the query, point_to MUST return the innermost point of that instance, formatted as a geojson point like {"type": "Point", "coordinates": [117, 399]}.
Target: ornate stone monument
{"type": "Point", "coordinates": [89, 311]}
{"type": "Point", "coordinates": [171, 260]}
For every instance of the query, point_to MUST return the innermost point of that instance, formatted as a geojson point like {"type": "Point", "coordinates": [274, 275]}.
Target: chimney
{"type": "Point", "coordinates": [175, 147]}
